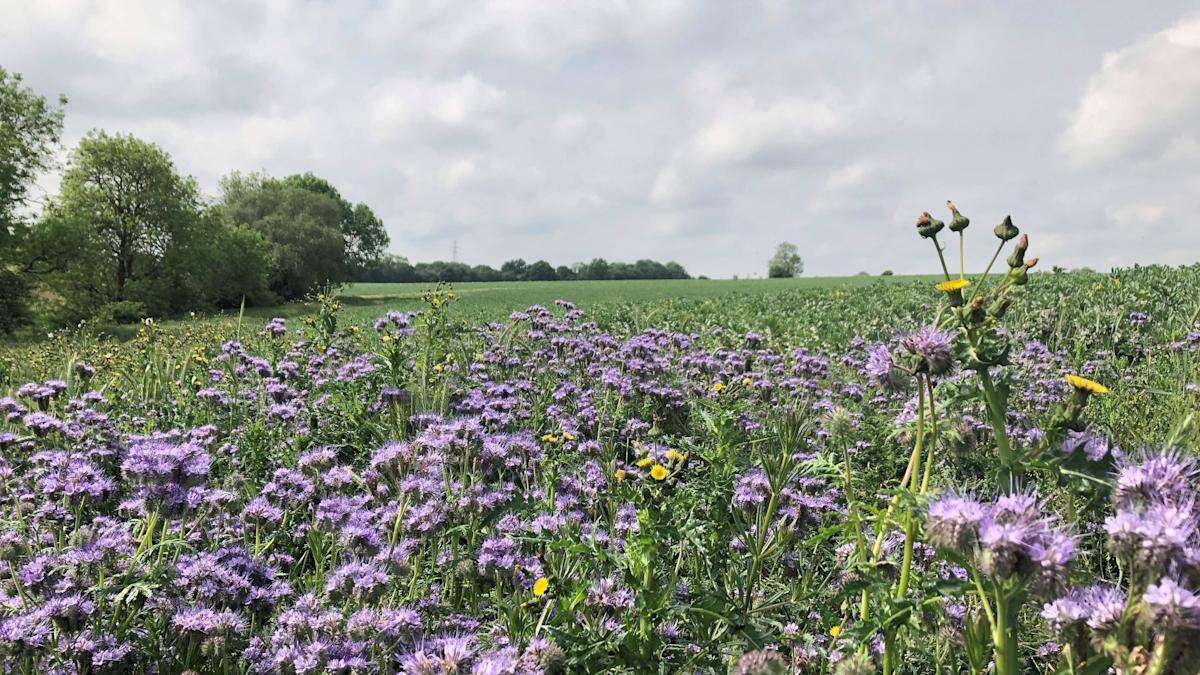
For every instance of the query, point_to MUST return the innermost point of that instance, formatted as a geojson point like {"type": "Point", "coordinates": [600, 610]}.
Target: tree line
{"type": "Point", "coordinates": [129, 236]}
{"type": "Point", "coordinates": [397, 269]}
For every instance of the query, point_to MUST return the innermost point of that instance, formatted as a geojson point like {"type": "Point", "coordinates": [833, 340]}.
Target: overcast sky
{"type": "Point", "coordinates": [702, 132]}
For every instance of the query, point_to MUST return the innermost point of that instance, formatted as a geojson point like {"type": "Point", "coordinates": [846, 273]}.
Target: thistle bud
{"type": "Point", "coordinates": [976, 313]}
{"type": "Point", "coordinates": [1006, 230]}
{"type": "Point", "coordinates": [928, 226]}
{"type": "Point", "coordinates": [999, 307]}
{"type": "Point", "coordinates": [958, 222]}
{"type": "Point", "coordinates": [1031, 263]}
{"type": "Point", "coordinates": [1017, 258]}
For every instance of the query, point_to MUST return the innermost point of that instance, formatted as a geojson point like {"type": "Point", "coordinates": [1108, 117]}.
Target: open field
{"type": "Point", "coordinates": [669, 476]}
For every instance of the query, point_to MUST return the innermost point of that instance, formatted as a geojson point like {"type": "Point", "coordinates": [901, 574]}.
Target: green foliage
{"type": "Point", "coordinates": [362, 231]}
{"type": "Point", "coordinates": [786, 262]}
{"type": "Point", "coordinates": [301, 228]}
{"type": "Point", "coordinates": [128, 193]}
{"type": "Point", "coordinates": [30, 127]}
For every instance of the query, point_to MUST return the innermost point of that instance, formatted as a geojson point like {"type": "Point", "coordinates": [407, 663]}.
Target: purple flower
{"type": "Point", "coordinates": [882, 371]}
{"type": "Point", "coordinates": [931, 347]}
{"type": "Point", "coordinates": [1172, 606]}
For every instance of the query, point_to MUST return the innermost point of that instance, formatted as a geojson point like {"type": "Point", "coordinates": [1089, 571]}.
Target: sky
{"type": "Point", "coordinates": [701, 132]}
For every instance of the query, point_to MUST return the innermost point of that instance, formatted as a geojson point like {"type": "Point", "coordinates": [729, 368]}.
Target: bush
{"type": "Point", "coordinates": [123, 312]}
{"type": "Point", "coordinates": [14, 299]}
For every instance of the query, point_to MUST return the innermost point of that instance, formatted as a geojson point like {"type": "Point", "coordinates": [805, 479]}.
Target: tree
{"type": "Point", "coordinates": [514, 270]}
{"type": "Point", "coordinates": [362, 232]}
{"type": "Point", "coordinates": [302, 228]}
{"type": "Point", "coordinates": [540, 271]}
{"type": "Point", "coordinates": [564, 273]}
{"type": "Point", "coordinates": [596, 269]}
{"type": "Point", "coordinates": [129, 193]}
{"type": "Point", "coordinates": [786, 262]}
{"type": "Point", "coordinates": [30, 128]}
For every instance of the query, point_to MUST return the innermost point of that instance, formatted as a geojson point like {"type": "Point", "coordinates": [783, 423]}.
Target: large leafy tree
{"type": "Point", "coordinates": [302, 228]}
{"type": "Point", "coordinates": [129, 194]}
{"type": "Point", "coordinates": [30, 127]}
{"type": "Point", "coordinates": [362, 231]}
{"type": "Point", "coordinates": [786, 262]}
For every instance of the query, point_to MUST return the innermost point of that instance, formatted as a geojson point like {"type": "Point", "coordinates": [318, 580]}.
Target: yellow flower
{"type": "Point", "coordinates": [1084, 384]}
{"type": "Point", "coordinates": [835, 631]}
{"type": "Point", "coordinates": [619, 474]}
{"type": "Point", "coordinates": [659, 472]}
{"type": "Point", "coordinates": [747, 381]}
{"type": "Point", "coordinates": [549, 438]}
{"type": "Point", "coordinates": [953, 285]}
{"type": "Point", "coordinates": [568, 436]}
{"type": "Point", "coordinates": [718, 387]}
{"type": "Point", "coordinates": [541, 586]}
{"type": "Point", "coordinates": [645, 462]}
{"type": "Point", "coordinates": [674, 455]}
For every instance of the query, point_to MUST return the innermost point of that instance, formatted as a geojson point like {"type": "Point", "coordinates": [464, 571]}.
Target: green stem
{"type": "Point", "coordinates": [938, 247]}
{"type": "Point", "coordinates": [1004, 635]}
{"type": "Point", "coordinates": [996, 415]}
{"type": "Point", "coordinates": [910, 523]}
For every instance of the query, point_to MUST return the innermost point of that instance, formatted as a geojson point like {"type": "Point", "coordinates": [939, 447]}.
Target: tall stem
{"type": "Point", "coordinates": [1004, 635]}
{"type": "Point", "coordinates": [997, 415]}
{"type": "Point", "coordinates": [910, 523]}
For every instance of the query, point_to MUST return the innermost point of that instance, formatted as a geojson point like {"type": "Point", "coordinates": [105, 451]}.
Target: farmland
{"type": "Point", "coordinates": [693, 475]}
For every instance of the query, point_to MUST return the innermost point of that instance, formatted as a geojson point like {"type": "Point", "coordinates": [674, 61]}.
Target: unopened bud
{"type": "Point", "coordinates": [999, 307]}
{"type": "Point", "coordinates": [928, 226]}
{"type": "Point", "coordinates": [1031, 263]}
{"type": "Point", "coordinates": [1017, 258]}
{"type": "Point", "coordinates": [958, 222]}
{"type": "Point", "coordinates": [976, 312]}
{"type": "Point", "coordinates": [1006, 230]}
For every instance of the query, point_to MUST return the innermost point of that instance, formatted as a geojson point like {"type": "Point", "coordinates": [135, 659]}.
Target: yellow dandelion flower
{"type": "Point", "coordinates": [645, 462]}
{"type": "Point", "coordinates": [718, 387]}
{"type": "Point", "coordinates": [835, 631]}
{"type": "Point", "coordinates": [619, 474]}
{"type": "Point", "coordinates": [568, 436]}
{"type": "Point", "coordinates": [659, 472]}
{"type": "Point", "coordinates": [541, 586]}
{"type": "Point", "coordinates": [953, 285]}
{"type": "Point", "coordinates": [674, 455]}
{"type": "Point", "coordinates": [549, 438]}
{"type": "Point", "coordinates": [1084, 384]}
{"type": "Point", "coordinates": [747, 381]}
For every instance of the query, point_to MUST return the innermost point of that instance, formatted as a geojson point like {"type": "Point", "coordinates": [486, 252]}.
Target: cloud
{"type": "Point", "coordinates": [1144, 100]}
{"type": "Point", "coordinates": [695, 130]}
{"type": "Point", "coordinates": [460, 110]}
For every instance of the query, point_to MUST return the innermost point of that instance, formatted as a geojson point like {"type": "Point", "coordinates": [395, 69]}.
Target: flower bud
{"type": "Point", "coordinates": [928, 226]}
{"type": "Point", "coordinates": [1006, 230]}
{"type": "Point", "coordinates": [1017, 258]}
{"type": "Point", "coordinates": [958, 222]}
{"type": "Point", "coordinates": [999, 307]}
{"type": "Point", "coordinates": [1031, 263]}
{"type": "Point", "coordinates": [976, 313]}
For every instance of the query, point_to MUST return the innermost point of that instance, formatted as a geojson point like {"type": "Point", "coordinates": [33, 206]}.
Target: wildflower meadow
{"type": "Point", "coordinates": [986, 473]}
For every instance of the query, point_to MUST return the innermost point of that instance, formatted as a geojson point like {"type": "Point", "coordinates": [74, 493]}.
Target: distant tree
{"type": "Point", "coordinates": [129, 193]}
{"type": "Point", "coordinates": [363, 232]}
{"type": "Point", "coordinates": [786, 262]}
{"type": "Point", "coordinates": [302, 228]}
{"type": "Point", "coordinates": [540, 271]}
{"type": "Point", "coordinates": [597, 269]}
{"type": "Point", "coordinates": [486, 273]}
{"type": "Point", "coordinates": [514, 270]}
{"type": "Point", "coordinates": [676, 271]}
{"type": "Point", "coordinates": [887, 273]}
{"type": "Point", "coordinates": [564, 273]}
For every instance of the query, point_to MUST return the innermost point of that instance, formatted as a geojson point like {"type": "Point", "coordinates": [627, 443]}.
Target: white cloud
{"type": "Point", "coordinates": [1144, 97]}
{"type": "Point", "coordinates": [744, 130]}
{"type": "Point", "coordinates": [461, 109]}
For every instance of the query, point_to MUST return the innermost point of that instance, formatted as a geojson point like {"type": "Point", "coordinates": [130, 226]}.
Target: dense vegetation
{"type": "Point", "coordinates": [128, 237]}
{"type": "Point", "coordinates": [853, 478]}
{"type": "Point", "coordinates": [396, 269]}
